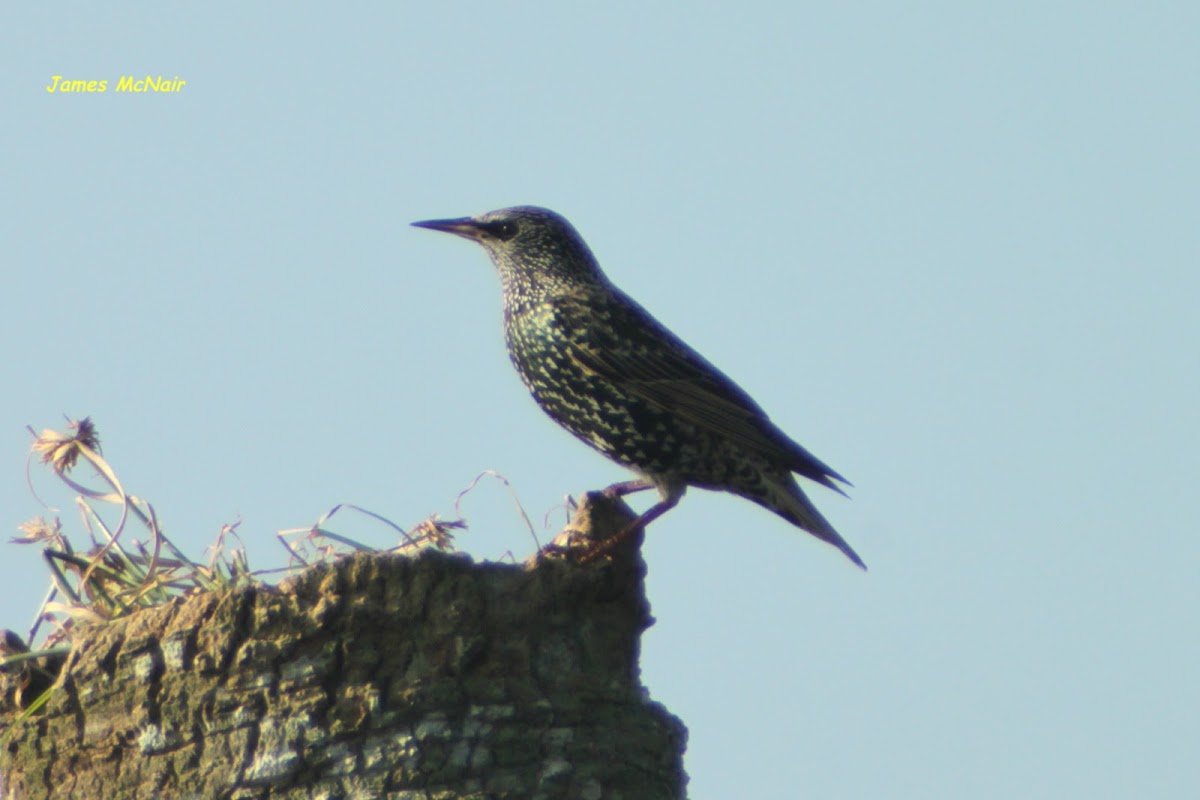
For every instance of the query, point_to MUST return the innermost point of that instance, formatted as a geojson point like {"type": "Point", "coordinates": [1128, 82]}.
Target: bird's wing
{"type": "Point", "coordinates": [632, 349]}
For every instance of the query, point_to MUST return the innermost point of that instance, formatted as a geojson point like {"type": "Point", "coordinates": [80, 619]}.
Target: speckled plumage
{"type": "Point", "coordinates": [602, 367]}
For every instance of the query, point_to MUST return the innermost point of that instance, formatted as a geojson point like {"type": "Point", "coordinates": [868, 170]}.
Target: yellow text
{"type": "Point", "coordinates": [150, 84]}
{"type": "Point", "coordinates": [59, 84]}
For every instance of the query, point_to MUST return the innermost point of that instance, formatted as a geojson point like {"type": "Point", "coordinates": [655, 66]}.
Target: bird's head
{"type": "Point", "coordinates": [533, 248]}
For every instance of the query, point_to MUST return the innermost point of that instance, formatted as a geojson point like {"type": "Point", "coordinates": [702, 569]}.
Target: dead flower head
{"type": "Point", "coordinates": [62, 450]}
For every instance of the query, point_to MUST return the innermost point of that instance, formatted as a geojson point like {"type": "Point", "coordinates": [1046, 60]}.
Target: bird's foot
{"type": "Point", "coordinates": [561, 547]}
{"type": "Point", "coordinates": [597, 527]}
{"type": "Point", "coordinates": [611, 543]}
{"type": "Point", "coordinates": [631, 529]}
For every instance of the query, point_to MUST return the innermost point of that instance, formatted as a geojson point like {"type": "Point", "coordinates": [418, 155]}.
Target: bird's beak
{"type": "Point", "coordinates": [463, 226]}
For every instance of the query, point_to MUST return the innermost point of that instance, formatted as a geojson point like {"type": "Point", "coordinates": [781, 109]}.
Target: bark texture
{"type": "Point", "coordinates": [380, 676]}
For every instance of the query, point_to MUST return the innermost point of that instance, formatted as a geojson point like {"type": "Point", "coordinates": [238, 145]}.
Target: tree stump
{"type": "Point", "coordinates": [373, 676]}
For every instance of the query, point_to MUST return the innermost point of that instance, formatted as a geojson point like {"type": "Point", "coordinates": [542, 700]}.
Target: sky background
{"type": "Point", "coordinates": [951, 248]}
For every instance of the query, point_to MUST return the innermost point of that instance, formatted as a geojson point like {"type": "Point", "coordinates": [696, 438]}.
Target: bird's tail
{"type": "Point", "coordinates": [787, 499]}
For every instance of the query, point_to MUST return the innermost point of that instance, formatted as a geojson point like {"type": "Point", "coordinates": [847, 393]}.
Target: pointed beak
{"type": "Point", "coordinates": [463, 226]}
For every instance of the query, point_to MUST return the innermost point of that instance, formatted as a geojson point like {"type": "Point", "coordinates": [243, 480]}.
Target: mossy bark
{"type": "Point", "coordinates": [375, 676]}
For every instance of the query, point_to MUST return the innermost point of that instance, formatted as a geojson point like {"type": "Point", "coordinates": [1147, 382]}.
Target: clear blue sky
{"type": "Point", "coordinates": [950, 247]}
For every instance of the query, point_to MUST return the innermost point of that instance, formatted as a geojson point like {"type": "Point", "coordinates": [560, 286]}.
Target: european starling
{"type": "Point", "coordinates": [611, 374]}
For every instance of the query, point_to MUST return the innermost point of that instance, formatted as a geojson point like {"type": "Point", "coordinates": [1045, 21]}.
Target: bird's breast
{"type": "Point", "coordinates": [593, 406]}
{"type": "Point", "coordinates": [538, 346]}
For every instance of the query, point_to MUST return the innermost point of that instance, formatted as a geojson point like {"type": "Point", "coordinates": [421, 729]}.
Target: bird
{"type": "Point", "coordinates": [602, 367]}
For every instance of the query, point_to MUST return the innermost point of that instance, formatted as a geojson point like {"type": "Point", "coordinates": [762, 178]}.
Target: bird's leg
{"type": "Point", "coordinates": [649, 515]}
{"type": "Point", "coordinates": [629, 487]}
{"type": "Point", "coordinates": [562, 543]}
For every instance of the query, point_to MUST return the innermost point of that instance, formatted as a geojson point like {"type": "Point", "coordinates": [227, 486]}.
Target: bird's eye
{"type": "Point", "coordinates": [503, 230]}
